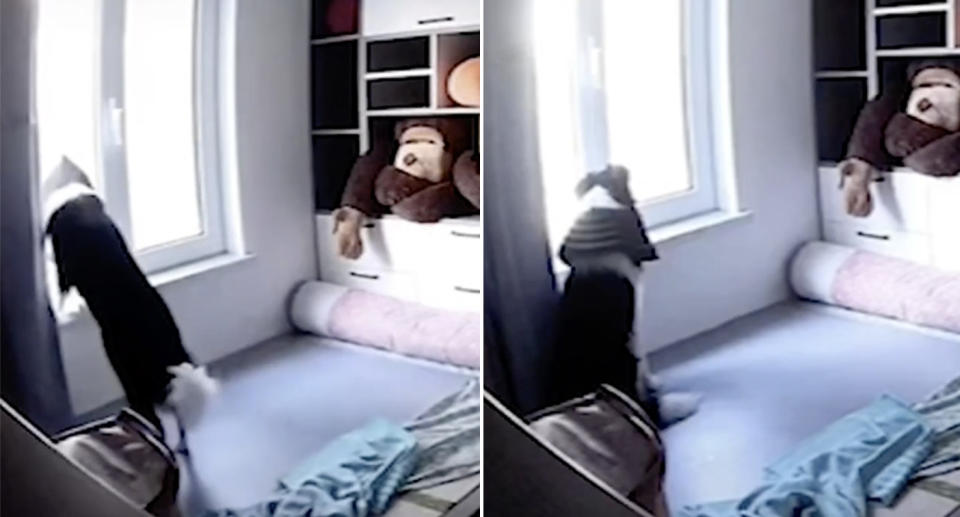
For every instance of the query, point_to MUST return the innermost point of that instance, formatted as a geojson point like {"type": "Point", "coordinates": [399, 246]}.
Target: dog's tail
{"type": "Point", "coordinates": [191, 392]}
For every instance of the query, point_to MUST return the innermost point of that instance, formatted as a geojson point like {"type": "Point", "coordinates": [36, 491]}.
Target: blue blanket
{"type": "Point", "coordinates": [355, 476]}
{"type": "Point", "coordinates": [868, 454]}
{"type": "Point", "coordinates": [448, 439]}
{"type": "Point", "coordinates": [942, 412]}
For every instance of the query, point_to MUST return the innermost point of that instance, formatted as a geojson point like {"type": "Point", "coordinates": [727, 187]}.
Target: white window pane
{"type": "Point", "coordinates": [160, 130]}
{"type": "Point", "coordinates": [66, 69]}
{"type": "Point", "coordinates": [561, 151]}
{"type": "Point", "coordinates": [646, 95]}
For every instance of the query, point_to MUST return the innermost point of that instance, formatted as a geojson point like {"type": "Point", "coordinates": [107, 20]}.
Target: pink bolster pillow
{"type": "Point", "coordinates": [877, 284]}
{"type": "Point", "coordinates": [387, 323]}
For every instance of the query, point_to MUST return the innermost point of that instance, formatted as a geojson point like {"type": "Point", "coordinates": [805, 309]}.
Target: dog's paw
{"type": "Point", "coordinates": [191, 390]}
{"type": "Point", "coordinates": [654, 382]}
{"type": "Point", "coordinates": [677, 406]}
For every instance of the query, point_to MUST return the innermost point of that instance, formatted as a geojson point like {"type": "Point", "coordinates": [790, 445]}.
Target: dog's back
{"type": "Point", "coordinates": [595, 327]}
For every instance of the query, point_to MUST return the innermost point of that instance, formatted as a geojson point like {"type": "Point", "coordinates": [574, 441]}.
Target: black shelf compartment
{"type": "Point", "coordinates": [333, 158]}
{"type": "Point", "coordinates": [333, 85]}
{"type": "Point", "coordinates": [922, 30]}
{"type": "Point", "coordinates": [380, 129]}
{"type": "Point", "coordinates": [400, 92]}
{"type": "Point", "coordinates": [893, 70]}
{"type": "Point", "coordinates": [840, 30]}
{"type": "Point", "coordinates": [903, 3]}
{"type": "Point", "coordinates": [398, 54]}
{"type": "Point", "coordinates": [838, 104]}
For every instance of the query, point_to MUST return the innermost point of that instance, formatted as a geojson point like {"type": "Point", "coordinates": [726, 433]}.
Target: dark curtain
{"type": "Point", "coordinates": [519, 294]}
{"type": "Point", "coordinates": [31, 370]}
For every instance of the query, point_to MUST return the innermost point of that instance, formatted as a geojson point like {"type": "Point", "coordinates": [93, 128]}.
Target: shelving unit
{"type": "Point", "coordinates": [860, 45]}
{"type": "Point", "coordinates": [362, 81]}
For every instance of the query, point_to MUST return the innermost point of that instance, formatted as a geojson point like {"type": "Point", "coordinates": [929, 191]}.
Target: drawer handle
{"type": "Point", "coordinates": [879, 178]}
{"type": "Point", "coordinates": [874, 236]}
{"type": "Point", "coordinates": [467, 235]}
{"type": "Point", "coordinates": [365, 276]}
{"type": "Point", "coordinates": [369, 225]}
{"type": "Point", "coordinates": [442, 19]}
{"type": "Point", "coordinates": [466, 290]}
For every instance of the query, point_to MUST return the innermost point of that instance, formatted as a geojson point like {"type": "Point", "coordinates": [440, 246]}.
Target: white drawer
{"type": "Point", "coordinates": [388, 244]}
{"type": "Point", "coordinates": [909, 246]}
{"type": "Point", "coordinates": [451, 296]}
{"type": "Point", "coordinates": [375, 253]}
{"type": "Point", "coordinates": [382, 17]}
{"type": "Point", "coordinates": [945, 222]}
{"type": "Point", "coordinates": [397, 285]}
{"type": "Point", "coordinates": [408, 246]}
{"type": "Point", "coordinates": [900, 201]}
{"type": "Point", "coordinates": [463, 245]}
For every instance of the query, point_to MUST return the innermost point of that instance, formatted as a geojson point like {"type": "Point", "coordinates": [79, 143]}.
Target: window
{"type": "Point", "coordinates": [128, 90]}
{"type": "Point", "coordinates": [635, 93]}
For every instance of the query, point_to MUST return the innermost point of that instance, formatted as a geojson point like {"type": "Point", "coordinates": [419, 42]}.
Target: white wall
{"type": "Point", "coordinates": [707, 279]}
{"type": "Point", "coordinates": [222, 311]}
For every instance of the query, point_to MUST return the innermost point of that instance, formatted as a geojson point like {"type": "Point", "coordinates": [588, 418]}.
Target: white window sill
{"type": "Point", "coordinates": [691, 226]}
{"type": "Point", "coordinates": [73, 306]}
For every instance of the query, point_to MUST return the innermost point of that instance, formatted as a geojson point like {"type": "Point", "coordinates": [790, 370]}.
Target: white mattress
{"type": "Point", "coordinates": [286, 399]}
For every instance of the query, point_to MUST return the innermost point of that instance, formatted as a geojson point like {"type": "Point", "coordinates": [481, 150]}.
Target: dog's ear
{"type": "Point", "coordinates": [619, 174]}
{"type": "Point", "coordinates": [616, 179]}
{"type": "Point", "coordinates": [585, 184]}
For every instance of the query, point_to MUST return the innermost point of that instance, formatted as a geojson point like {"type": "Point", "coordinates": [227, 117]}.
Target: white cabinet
{"type": "Point", "coordinates": [915, 217]}
{"type": "Point", "coordinates": [382, 17]}
{"type": "Point", "coordinates": [439, 264]}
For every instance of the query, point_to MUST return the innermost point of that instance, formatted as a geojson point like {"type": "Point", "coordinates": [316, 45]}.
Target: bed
{"type": "Point", "coordinates": [777, 376]}
{"type": "Point", "coordinates": [286, 399]}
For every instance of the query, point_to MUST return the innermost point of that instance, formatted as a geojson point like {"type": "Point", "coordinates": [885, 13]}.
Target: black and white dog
{"type": "Point", "coordinates": [139, 334]}
{"type": "Point", "coordinates": [596, 344]}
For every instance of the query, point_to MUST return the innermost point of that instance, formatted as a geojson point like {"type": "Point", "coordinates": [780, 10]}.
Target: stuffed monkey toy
{"type": "Point", "coordinates": [919, 125]}
{"type": "Point", "coordinates": [429, 172]}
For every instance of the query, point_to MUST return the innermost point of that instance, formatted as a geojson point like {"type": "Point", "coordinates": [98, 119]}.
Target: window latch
{"type": "Point", "coordinates": [115, 113]}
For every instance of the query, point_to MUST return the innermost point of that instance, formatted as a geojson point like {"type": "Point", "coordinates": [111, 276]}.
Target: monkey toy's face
{"type": "Point", "coordinates": [422, 154]}
{"type": "Point", "coordinates": [935, 98]}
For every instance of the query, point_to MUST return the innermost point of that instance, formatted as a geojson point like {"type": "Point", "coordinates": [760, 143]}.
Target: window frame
{"type": "Point", "coordinates": [699, 121]}
{"type": "Point", "coordinates": [212, 239]}
{"type": "Point", "coordinates": [589, 105]}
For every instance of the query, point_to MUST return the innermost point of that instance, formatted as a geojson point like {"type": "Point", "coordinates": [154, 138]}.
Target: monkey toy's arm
{"type": "Point", "coordinates": [866, 152]}
{"type": "Point", "coordinates": [358, 201]}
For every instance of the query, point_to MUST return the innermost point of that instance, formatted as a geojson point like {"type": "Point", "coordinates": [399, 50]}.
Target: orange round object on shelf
{"type": "Point", "coordinates": [463, 85]}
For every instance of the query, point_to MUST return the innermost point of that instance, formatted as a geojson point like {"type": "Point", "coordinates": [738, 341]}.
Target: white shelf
{"type": "Point", "coordinates": [421, 32]}
{"type": "Point", "coordinates": [399, 74]}
{"type": "Point", "coordinates": [335, 39]}
{"type": "Point", "coordinates": [918, 51]}
{"type": "Point", "coordinates": [467, 220]}
{"type": "Point", "coordinates": [333, 132]}
{"type": "Point", "coordinates": [911, 9]}
{"type": "Point", "coordinates": [843, 74]}
{"type": "Point", "coordinates": [419, 112]}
